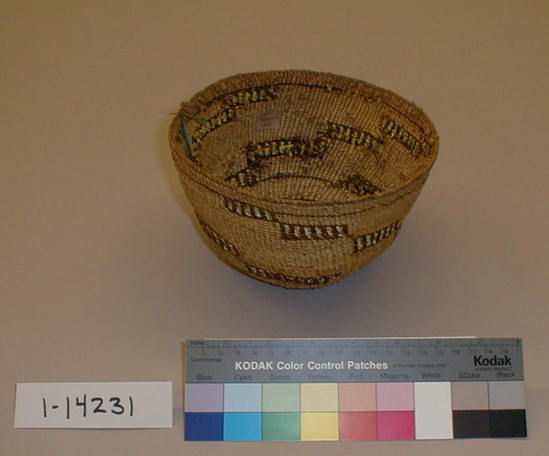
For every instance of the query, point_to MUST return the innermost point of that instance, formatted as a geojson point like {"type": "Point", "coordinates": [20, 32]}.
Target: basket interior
{"type": "Point", "coordinates": [304, 136]}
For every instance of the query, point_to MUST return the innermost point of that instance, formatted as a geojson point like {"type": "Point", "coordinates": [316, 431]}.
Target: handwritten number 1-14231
{"type": "Point", "coordinates": [87, 406]}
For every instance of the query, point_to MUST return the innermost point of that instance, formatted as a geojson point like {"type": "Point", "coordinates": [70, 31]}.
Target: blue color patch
{"type": "Point", "coordinates": [204, 426]}
{"type": "Point", "coordinates": [242, 426]}
{"type": "Point", "coordinates": [242, 397]}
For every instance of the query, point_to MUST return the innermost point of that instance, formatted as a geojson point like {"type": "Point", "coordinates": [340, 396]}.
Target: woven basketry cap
{"type": "Point", "coordinates": [300, 178]}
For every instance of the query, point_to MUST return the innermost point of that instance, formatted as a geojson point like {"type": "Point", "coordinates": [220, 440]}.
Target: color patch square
{"type": "Point", "coordinates": [395, 396]}
{"type": "Point", "coordinates": [204, 426]}
{"type": "Point", "coordinates": [471, 424]}
{"type": "Point", "coordinates": [319, 397]}
{"type": "Point", "coordinates": [508, 423]}
{"type": "Point", "coordinates": [396, 426]}
{"type": "Point", "coordinates": [281, 426]}
{"type": "Point", "coordinates": [242, 426]}
{"type": "Point", "coordinates": [319, 426]}
{"type": "Point", "coordinates": [506, 395]}
{"type": "Point", "coordinates": [203, 397]}
{"type": "Point", "coordinates": [433, 410]}
{"type": "Point", "coordinates": [470, 396]}
{"type": "Point", "coordinates": [357, 397]}
{"type": "Point", "coordinates": [242, 397]}
{"type": "Point", "coordinates": [281, 397]}
{"type": "Point", "coordinates": [357, 426]}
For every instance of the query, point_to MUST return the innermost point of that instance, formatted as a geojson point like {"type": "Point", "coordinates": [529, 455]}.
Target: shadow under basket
{"type": "Point", "coordinates": [300, 178]}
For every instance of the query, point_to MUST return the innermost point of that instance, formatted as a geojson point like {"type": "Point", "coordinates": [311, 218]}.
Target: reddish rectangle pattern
{"type": "Point", "coordinates": [396, 426]}
{"type": "Point", "coordinates": [357, 425]}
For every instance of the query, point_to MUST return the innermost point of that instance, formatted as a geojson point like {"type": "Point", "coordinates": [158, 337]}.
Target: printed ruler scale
{"type": "Point", "coordinates": [354, 389]}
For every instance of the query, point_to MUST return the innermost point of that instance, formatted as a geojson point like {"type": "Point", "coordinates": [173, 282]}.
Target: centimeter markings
{"type": "Point", "coordinates": [270, 346]}
{"type": "Point", "coordinates": [363, 342]}
{"type": "Point", "coordinates": [354, 360]}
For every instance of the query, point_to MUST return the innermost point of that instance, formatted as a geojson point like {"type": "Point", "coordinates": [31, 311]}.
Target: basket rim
{"type": "Point", "coordinates": [348, 84]}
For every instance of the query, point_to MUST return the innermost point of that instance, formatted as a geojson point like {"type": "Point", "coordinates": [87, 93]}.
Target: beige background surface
{"type": "Point", "coordinates": [103, 273]}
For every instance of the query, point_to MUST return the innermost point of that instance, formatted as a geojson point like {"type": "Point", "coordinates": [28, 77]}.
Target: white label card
{"type": "Point", "coordinates": [94, 405]}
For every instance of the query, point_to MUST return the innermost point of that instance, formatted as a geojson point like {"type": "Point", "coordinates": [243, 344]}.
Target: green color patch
{"type": "Point", "coordinates": [281, 397]}
{"type": "Point", "coordinates": [281, 426]}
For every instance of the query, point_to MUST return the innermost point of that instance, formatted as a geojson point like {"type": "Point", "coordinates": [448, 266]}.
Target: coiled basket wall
{"type": "Point", "coordinates": [300, 178]}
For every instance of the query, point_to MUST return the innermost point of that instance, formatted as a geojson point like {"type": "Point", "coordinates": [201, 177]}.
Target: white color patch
{"type": "Point", "coordinates": [433, 410]}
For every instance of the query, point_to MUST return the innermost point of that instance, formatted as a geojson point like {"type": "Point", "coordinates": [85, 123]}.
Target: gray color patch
{"type": "Point", "coordinates": [506, 395]}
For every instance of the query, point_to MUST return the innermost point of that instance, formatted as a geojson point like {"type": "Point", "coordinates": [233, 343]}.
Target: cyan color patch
{"type": "Point", "coordinates": [242, 397]}
{"type": "Point", "coordinates": [242, 426]}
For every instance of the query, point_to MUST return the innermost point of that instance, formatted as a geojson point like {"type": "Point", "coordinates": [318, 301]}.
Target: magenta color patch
{"type": "Point", "coordinates": [395, 426]}
{"type": "Point", "coordinates": [395, 397]}
{"type": "Point", "coordinates": [203, 397]}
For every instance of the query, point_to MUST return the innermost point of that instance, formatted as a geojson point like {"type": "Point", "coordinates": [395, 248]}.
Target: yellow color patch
{"type": "Point", "coordinates": [319, 397]}
{"type": "Point", "coordinates": [319, 426]}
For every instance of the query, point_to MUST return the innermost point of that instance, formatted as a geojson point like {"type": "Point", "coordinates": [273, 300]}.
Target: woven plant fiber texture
{"type": "Point", "coordinates": [300, 178]}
